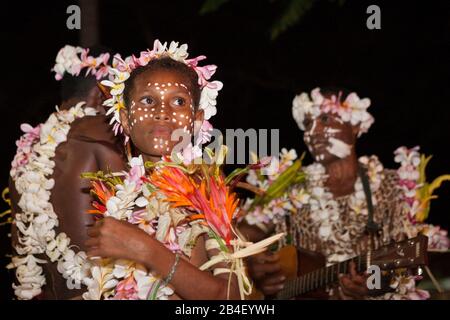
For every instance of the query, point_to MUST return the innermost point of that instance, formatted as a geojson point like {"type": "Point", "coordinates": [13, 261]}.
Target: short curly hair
{"type": "Point", "coordinates": [165, 63]}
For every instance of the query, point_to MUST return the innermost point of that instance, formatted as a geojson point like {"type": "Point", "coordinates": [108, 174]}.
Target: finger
{"type": "Point", "coordinates": [352, 269]}
{"type": "Point", "coordinates": [273, 280]}
{"type": "Point", "coordinates": [271, 290]}
{"type": "Point", "coordinates": [93, 253]}
{"type": "Point", "coordinates": [91, 243]}
{"type": "Point", "coordinates": [267, 268]}
{"type": "Point", "coordinates": [93, 232]}
{"type": "Point", "coordinates": [360, 280]}
{"type": "Point", "coordinates": [350, 288]}
{"type": "Point", "coordinates": [342, 295]}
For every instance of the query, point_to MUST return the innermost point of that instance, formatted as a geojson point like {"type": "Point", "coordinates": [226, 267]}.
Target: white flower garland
{"type": "Point", "coordinates": [324, 208]}
{"type": "Point", "coordinates": [352, 109]}
{"type": "Point", "coordinates": [72, 60]}
{"type": "Point", "coordinates": [37, 222]}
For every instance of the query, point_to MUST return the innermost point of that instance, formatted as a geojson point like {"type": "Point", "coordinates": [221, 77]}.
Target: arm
{"type": "Point", "coordinates": [122, 240]}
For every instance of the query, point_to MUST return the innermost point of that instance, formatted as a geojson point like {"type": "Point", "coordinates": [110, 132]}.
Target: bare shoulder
{"type": "Point", "coordinates": [95, 128]}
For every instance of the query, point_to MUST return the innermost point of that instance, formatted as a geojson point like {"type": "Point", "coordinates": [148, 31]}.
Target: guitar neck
{"type": "Point", "coordinates": [320, 278]}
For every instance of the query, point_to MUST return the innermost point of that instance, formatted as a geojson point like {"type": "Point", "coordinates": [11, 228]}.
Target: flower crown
{"type": "Point", "coordinates": [352, 109]}
{"type": "Point", "coordinates": [73, 59]}
{"type": "Point", "coordinates": [122, 69]}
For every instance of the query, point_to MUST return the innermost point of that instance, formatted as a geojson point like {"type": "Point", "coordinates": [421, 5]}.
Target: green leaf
{"type": "Point", "coordinates": [293, 12]}
{"type": "Point", "coordinates": [212, 5]}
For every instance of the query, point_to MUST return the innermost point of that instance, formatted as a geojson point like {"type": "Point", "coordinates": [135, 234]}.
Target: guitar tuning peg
{"type": "Point", "coordinates": [419, 271]}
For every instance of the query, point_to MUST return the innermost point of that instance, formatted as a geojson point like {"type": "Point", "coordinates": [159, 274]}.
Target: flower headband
{"type": "Point", "coordinates": [73, 59]}
{"type": "Point", "coordinates": [122, 69]}
{"type": "Point", "coordinates": [352, 109]}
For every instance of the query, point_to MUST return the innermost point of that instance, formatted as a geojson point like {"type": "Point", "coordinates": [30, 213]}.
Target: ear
{"type": "Point", "coordinates": [124, 120]}
{"type": "Point", "coordinates": [355, 131]}
{"type": "Point", "coordinates": [95, 99]}
{"type": "Point", "coordinates": [104, 91]}
{"type": "Point", "coordinates": [198, 120]}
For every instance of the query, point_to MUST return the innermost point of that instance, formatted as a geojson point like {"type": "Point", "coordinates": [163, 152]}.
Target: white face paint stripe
{"type": "Point", "coordinates": [339, 148]}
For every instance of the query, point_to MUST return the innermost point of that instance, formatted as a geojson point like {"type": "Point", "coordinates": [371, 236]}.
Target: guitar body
{"type": "Point", "coordinates": [296, 262]}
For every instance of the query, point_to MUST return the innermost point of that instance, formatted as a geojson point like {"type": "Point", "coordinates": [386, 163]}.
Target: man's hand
{"type": "Point", "coordinates": [353, 286]}
{"type": "Point", "coordinates": [265, 270]}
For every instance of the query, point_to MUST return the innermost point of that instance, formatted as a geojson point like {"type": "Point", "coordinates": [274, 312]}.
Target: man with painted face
{"type": "Point", "coordinates": [89, 146]}
{"type": "Point", "coordinates": [334, 219]}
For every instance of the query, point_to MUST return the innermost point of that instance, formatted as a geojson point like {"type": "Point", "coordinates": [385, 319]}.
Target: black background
{"type": "Point", "coordinates": [404, 68]}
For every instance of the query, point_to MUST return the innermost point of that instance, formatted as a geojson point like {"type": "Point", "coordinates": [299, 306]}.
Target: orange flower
{"type": "Point", "coordinates": [175, 185]}
{"type": "Point", "coordinates": [213, 201]}
{"type": "Point", "coordinates": [218, 206]}
{"type": "Point", "coordinates": [103, 194]}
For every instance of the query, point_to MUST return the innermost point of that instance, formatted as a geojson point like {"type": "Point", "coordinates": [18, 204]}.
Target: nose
{"type": "Point", "coordinates": [162, 114]}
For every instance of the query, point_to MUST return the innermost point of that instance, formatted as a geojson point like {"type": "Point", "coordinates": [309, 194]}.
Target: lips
{"type": "Point", "coordinates": [160, 130]}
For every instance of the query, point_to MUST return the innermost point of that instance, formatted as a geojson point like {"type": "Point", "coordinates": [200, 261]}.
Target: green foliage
{"type": "Point", "coordinates": [292, 13]}
{"type": "Point", "coordinates": [212, 5]}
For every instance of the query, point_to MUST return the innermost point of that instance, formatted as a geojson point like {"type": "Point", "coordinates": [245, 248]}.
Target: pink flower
{"type": "Point", "coordinates": [34, 132]}
{"type": "Point", "coordinates": [331, 105]}
{"type": "Point", "coordinates": [30, 136]}
{"type": "Point", "coordinates": [127, 289]}
{"type": "Point", "coordinates": [204, 134]}
{"type": "Point", "coordinates": [204, 73]}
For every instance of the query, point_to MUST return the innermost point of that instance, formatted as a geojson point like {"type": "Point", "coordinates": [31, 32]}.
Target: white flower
{"type": "Point", "coordinates": [301, 106]}
{"type": "Point", "coordinates": [208, 98]}
{"type": "Point", "coordinates": [178, 53]}
{"type": "Point", "coordinates": [68, 61]}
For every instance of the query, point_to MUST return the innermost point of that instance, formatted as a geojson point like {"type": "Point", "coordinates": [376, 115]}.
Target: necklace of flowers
{"type": "Point", "coordinates": [323, 207]}
{"type": "Point", "coordinates": [72, 60]}
{"type": "Point", "coordinates": [417, 194]}
{"type": "Point", "coordinates": [352, 109]}
{"type": "Point", "coordinates": [122, 68]}
{"type": "Point", "coordinates": [31, 172]}
{"type": "Point", "coordinates": [175, 203]}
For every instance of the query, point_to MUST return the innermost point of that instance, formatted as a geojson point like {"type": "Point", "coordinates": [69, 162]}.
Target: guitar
{"type": "Point", "coordinates": [304, 275]}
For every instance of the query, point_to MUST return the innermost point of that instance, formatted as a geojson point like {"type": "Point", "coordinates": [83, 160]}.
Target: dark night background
{"type": "Point", "coordinates": [403, 68]}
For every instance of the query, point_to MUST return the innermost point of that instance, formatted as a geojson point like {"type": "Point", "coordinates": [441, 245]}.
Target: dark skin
{"type": "Point", "coordinates": [119, 239]}
{"type": "Point", "coordinates": [90, 146]}
{"type": "Point", "coordinates": [342, 174]}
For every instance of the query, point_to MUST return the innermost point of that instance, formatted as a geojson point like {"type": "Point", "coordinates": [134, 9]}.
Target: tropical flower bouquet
{"type": "Point", "coordinates": [418, 193]}
{"type": "Point", "coordinates": [176, 203]}
{"type": "Point", "coordinates": [276, 192]}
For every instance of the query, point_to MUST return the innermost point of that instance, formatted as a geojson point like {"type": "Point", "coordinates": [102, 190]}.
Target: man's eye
{"type": "Point", "coordinates": [178, 101]}
{"type": "Point", "coordinates": [147, 101]}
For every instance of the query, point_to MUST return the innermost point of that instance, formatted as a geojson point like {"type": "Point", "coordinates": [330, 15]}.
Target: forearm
{"type": "Point", "coordinates": [189, 282]}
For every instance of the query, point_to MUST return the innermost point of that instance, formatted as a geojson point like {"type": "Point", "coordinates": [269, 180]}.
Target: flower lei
{"type": "Point", "coordinates": [324, 208]}
{"type": "Point", "coordinates": [417, 194]}
{"type": "Point", "coordinates": [31, 171]}
{"type": "Point", "coordinates": [352, 109]}
{"type": "Point", "coordinates": [122, 68]}
{"type": "Point", "coordinates": [176, 208]}
{"type": "Point", "coordinates": [73, 59]}
{"type": "Point", "coordinates": [279, 207]}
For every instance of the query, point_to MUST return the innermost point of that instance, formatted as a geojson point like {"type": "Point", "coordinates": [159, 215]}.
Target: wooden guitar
{"type": "Point", "coordinates": [306, 271]}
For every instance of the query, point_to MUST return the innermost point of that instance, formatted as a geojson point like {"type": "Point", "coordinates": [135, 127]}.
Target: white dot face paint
{"type": "Point", "coordinates": [160, 109]}
{"type": "Point", "coordinates": [339, 148]}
